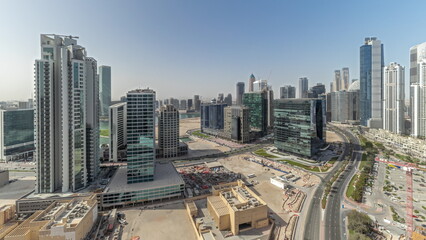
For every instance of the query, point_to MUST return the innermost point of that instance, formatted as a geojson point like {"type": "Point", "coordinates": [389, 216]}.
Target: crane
{"type": "Point", "coordinates": [408, 168]}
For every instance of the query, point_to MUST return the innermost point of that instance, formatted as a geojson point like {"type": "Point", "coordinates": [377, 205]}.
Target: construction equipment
{"type": "Point", "coordinates": [408, 168]}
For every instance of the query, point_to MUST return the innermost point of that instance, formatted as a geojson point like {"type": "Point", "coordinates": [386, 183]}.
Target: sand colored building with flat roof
{"type": "Point", "coordinates": [236, 208]}
{"type": "Point", "coordinates": [7, 220]}
{"type": "Point", "coordinates": [62, 220]}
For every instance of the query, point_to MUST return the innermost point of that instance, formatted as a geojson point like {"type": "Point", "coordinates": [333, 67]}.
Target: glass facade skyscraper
{"type": "Point", "coordinates": [371, 82]}
{"type": "Point", "coordinates": [299, 126]}
{"type": "Point", "coordinates": [16, 133]}
{"type": "Point", "coordinates": [212, 116]}
{"type": "Point", "coordinates": [140, 135]}
{"type": "Point", "coordinates": [104, 89]}
{"type": "Point", "coordinates": [257, 102]}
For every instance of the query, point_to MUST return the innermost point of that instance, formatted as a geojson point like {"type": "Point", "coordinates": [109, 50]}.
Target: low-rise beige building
{"type": "Point", "coordinates": [62, 220]}
{"type": "Point", "coordinates": [236, 208]}
{"type": "Point", "coordinates": [7, 220]}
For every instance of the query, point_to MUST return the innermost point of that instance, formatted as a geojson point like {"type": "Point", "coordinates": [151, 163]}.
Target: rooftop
{"type": "Point", "coordinates": [165, 175]}
{"type": "Point", "coordinates": [147, 90]}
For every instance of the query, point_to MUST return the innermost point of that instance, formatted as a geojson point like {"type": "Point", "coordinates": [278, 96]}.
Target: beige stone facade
{"type": "Point", "coordinates": [62, 220]}
{"type": "Point", "coordinates": [235, 207]}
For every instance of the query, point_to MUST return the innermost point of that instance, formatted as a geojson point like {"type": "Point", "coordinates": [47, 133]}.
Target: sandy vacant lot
{"type": "Point", "coordinates": [188, 124]}
{"type": "Point", "coordinates": [168, 222]}
{"type": "Point", "coordinates": [332, 137]}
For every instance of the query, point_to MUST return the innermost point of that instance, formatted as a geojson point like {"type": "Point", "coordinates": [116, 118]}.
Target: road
{"type": "Point", "coordinates": [334, 226]}
{"type": "Point", "coordinates": [333, 219]}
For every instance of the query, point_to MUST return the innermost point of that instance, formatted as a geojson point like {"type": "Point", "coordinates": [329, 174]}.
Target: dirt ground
{"type": "Point", "coordinates": [188, 124]}
{"type": "Point", "coordinates": [168, 222]}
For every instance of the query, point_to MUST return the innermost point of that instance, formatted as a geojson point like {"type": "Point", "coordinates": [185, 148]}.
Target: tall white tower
{"type": "Point", "coordinates": [393, 98]}
{"type": "Point", "coordinates": [66, 118]}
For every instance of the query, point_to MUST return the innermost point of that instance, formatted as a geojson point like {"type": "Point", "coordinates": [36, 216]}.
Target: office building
{"type": "Point", "coordinates": [287, 91]}
{"type": "Point", "coordinates": [220, 98]}
{"type": "Point", "coordinates": [260, 85]}
{"type": "Point", "coordinates": [212, 116]}
{"type": "Point", "coordinates": [117, 132]}
{"type": "Point", "coordinates": [257, 102]}
{"type": "Point", "coordinates": [197, 103]}
{"type": "Point", "coordinates": [345, 79]}
{"type": "Point", "coordinates": [299, 126]}
{"type": "Point", "coordinates": [344, 106]}
{"type": "Point", "coordinates": [237, 127]}
{"type": "Point", "coordinates": [66, 130]}
{"type": "Point", "coordinates": [140, 135]}
{"type": "Point", "coordinates": [270, 106]}
{"type": "Point", "coordinates": [189, 104]}
{"type": "Point", "coordinates": [251, 81]}
{"type": "Point", "coordinates": [228, 100]}
{"type": "Point", "coordinates": [16, 134]}
{"type": "Point", "coordinates": [418, 119]}
{"type": "Point", "coordinates": [182, 105]}
{"type": "Point", "coordinates": [303, 87]}
{"type": "Point", "coordinates": [393, 98]}
{"type": "Point", "coordinates": [239, 94]}
{"type": "Point", "coordinates": [168, 131]}
{"type": "Point", "coordinates": [371, 82]}
{"type": "Point", "coordinates": [316, 90]}
{"type": "Point", "coordinates": [104, 89]}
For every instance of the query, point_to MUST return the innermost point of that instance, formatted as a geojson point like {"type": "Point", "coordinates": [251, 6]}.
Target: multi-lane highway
{"type": "Point", "coordinates": [333, 223]}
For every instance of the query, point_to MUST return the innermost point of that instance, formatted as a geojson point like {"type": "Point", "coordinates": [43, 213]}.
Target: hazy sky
{"type": "Point", "coordinates": [181, 48]}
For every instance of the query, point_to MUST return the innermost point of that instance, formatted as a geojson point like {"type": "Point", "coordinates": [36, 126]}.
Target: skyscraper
{"type": "Point", "coordinates": [393, 98]}
{"type": "Point", "coordinates": [257, 102]}
{"type": "Point", "coordinates": [287, 91]}
{"type": "Point", "coordinates": [168, 131]}
{"type": "Point", "coordinates": [337, 81]}
{"type": "Point", "coordinates": [299, 126]}
{"type": "Point", "coordinates": [105, 89]}
{"type": "Point", "coordinates": [117, 131]}
{"type": "Point", "coordinates": [92, 119]}
{"type": "Point", "coordinates": [344, 105]}
{"type": "Point", "coordinates": [251, 82]}
{"type": "Point", "coordinates": [197, 103]}
{"type": "Point", "coordinates": [236, 125]}
{"type": "Point", "coordinates": [316, 90]}
{"type": "Point", "coordinates": [16, 134]}
{"type": "Point", "coordinates": [140, 135]}
{"type": "Point", "coordinates": [418, 118]}
{"type": "Point", "coordinates": [239, 93]}
{"type": "Point", "coordinates": [182, 105]}
{"type": "Point", "coordinates": [220, 98]}
{"type": "Point", "coordinates": [66, 105]}
{"type": "Point", "coordinates": [303, 87]}
{"type": "Point", "coordinates": [345, 79]}
{"type": "Point", "coordinates": [371, 76]}
{"type": "Point", "coordinates": [212, 116]}
{"type": "Point", "coordinates": [228, 100]}
{"type": "Point", "coordinates": [417, 56]}
{"type": "Point", "coordinates": [260, 85]}
{"type": "Point", "coordinates": [189, 104]}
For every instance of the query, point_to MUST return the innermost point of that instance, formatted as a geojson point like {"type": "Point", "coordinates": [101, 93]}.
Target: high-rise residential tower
{"type": "Point", "coordinates": [168, 131]}
{"type": "Point", "coordinates": [417, 58]}
{"type": "Point", "coordinates": [393, 98]}
{"type": "Point", "coordinates": [287, 91]}
{"type": "Point", "coordinates": [117, 131]}
{"type": "Point", "coordinates": [140, 135]}
{"type": "Point", "coordinates": [371, 83]}
{"type": "Point", "coordinates": [104, 89]}
{"type": "Point", "coordinates": [65, 116]}
{"type": "Point", "coordinates": [303, 87]}
{"type": "Point", "coordinates": [418, 118]}
{"type": "Point", "coordinates": [345, 79]}
{"type": "Point", "coordinates": [240, 92]}
{"type": "Point", "coordinates": [251, 81]}
{"type": "Point", "coordinates": [337, 80]}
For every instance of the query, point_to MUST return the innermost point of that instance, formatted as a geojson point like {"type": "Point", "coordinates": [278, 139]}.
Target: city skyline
{"type": "Point", "coordinates": [210, 49]}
